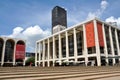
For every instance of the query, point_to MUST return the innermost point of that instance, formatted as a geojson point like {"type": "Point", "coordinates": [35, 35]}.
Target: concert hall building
{"type": "Point", "coordinates": [12, 51]}
{"type": "Point", "coordinates": [92, 41]}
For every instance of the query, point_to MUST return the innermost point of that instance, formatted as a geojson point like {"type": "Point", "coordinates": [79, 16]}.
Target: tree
{"type": "Point", "coordinates": [30, 61]}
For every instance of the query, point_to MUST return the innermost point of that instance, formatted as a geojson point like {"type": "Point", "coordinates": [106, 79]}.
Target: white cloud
{"type": "Point", "coordinates": [104, 4]}
{"type": "Point", "coordinates": [16, 32]}
{"type": "Point", "coordinates": [99, 11]}
{"type": "Point", "coordinates": [30, 34]}
{"type": "Point", "coordinates": [113, 19]}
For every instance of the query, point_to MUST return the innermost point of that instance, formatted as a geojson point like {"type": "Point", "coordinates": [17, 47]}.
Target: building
{"type": "Point", "coordinates": [30, 59]}
{"type": "Point", "coordinates": [12, 51]}
{"type": "Point", "coordinates": [92, 41]}
{"type": "Point", "coordinates": [29, 55]}
{"type": "Point", "coordinates": [59, 19]}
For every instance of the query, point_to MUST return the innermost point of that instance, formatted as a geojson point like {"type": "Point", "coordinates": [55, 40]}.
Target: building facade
{"type": "Point", "coordinates": [92, 41]}
{"type": "Point", "coordinates": [29, 55]}
{"type": "Point", "coordinates": [12, 51]}
{"type": "Point", "coordinates": [59, 19]}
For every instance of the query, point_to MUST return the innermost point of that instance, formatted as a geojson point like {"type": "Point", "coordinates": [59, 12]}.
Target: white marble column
{"type": "Point", "coordinates": [97, 43]}
{"type": "Point", "coordinates": [105, 44]}
{"type": "Point", "coordinates": [111, 43]}
{"type": "Point", "coordinates": [53, 51]}
{"type": "Point", "coordinates": [3, 53]}
{"type": "Point", "coordinates": [36, 49]}
{"type": "Point", "coordinates": [48, 52]}
{"type": "Point", "coordinates": [75, 44]}
{"type": "Point", "coordinates": [39, 52]}
{"type": "Point", "coordinates": [60, 50]}
{"type": "Point", "coordinates": [67, 46]}
{"type": "Point", "coordinates": [25, 56]}
{"type": "Point", "coordinates": [85, 52]}
{"type": "Point", "coordinates": [14, 54]}
{"type": "Point", "coordinates": [43, 54]}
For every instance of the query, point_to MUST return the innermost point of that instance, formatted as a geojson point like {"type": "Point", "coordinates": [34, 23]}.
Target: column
{"type": "Point", "coordinates": [97, 43]}
{"type": "Point", "coordinates": [36, 55]}
{"type": "Point", "coordinates": [39, 52]}
{"type": "Point", "coordinates": [105, 44]}
{"type": "Point", "coordinates": [23, 62]}
{"type": "Point", "coordinates": [48, 52]}
{"type": "Point", "coordinates": [85, 52]}
{"type": "Point", "coordinates": [75, 44]}
{"type": "Point", "coordinates": [67, 48]}
{"type": "Point", "coordinates": [53, 51]}
{"type": "Point", "coordinates": [112, 48]}
{"type": "Point", "coordinates": [117, 43]}
{"type": "Point", "coordinates": [43, 53]}
{"type": "Point", "coordinates": [60, 50]}
{"type": "Point", "coordinates": [14, 54]}
{"type": "Point", "coordinates": [3, 53]}
{"type": "Point", "coordinates": [25, 56]}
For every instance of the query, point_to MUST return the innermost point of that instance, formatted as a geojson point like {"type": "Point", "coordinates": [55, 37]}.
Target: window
{"type": "Point", "coordinates": [91, 50]}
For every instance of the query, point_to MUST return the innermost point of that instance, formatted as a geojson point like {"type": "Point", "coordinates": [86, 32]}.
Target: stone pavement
{"type": "Point", "coordinates": [60, 73]}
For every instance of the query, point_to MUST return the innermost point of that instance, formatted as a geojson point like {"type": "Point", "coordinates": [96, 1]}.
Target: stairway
{"type": "Point", "coordinates": [59, 73]}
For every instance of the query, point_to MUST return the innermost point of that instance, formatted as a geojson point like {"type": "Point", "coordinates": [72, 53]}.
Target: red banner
{"type": "Point", "coordinates": [100, 34]}
{"type": "Point", "coordinates": [90, 34]}
{"type": "Point", "coordinates": [20, 51]}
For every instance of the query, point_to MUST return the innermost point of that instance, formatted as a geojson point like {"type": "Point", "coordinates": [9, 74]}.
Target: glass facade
{"type": "Point", "coordinates": [63, 41]}
{"type": "Point", "coordinates": [71, 45]}
{"type": "Point", "coordinates": [114, 41]}
{"type": "Point", "coordinates": [101, 49]}
{"type": "Point", "coordinates": [118, 34]}
{"type": "Point", "coordinates": [41, 55]}
{"type": "Point", "coordinates": [46, 51]}
{"type": "Point", "coordinates": [1, 46]}
{"type": "Point", "coordinates": [29, 54]}
{"type": "Point", "coordinates": [51, 50]}
{"type": "Point", "coordinates": [57, 48]}
{"type": "Point", "coordinates": [108, 39]}
{"type": "Point", "coordinates": [59, 16]}
{"type": "Point", "coordinates": [79, 42]}
{"type": "Point", "coordinates": [91, 50]}
{"type": "Point", "coordinates": [9, 49]}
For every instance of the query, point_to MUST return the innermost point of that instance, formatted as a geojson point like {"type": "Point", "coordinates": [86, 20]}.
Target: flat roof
{"type": "Point", "coordinates": [74, 26]}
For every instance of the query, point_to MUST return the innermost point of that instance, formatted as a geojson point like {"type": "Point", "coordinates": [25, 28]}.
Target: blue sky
{"type": "Point", "coordinates": [31, 19]}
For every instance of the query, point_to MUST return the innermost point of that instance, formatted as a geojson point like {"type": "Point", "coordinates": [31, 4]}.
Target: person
{"type": "Point", "coordinates": [30, 63]}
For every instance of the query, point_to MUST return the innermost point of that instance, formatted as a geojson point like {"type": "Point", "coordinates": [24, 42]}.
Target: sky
{"type": "Point", "coordinates": [31, 19]}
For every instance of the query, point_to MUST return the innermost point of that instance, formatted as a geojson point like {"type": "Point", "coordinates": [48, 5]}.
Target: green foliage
{"type": "Point", "coordinates": [30, 60]}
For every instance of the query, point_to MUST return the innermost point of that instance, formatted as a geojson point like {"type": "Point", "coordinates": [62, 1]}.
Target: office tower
{"type": "Point", "coordinates": [59, 19]}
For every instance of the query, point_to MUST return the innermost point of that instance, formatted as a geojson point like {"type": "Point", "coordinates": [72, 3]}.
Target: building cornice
{"type": "Point", "coordinates": [79, 24]}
